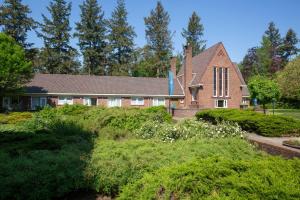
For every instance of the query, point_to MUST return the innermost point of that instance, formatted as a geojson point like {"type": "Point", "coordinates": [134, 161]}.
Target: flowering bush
{"type": "Point", "coordinates": [188, 129]}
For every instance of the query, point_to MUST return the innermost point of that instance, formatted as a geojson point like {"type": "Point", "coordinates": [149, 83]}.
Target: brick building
{"type": "Point", "coordinates": [207, 80]}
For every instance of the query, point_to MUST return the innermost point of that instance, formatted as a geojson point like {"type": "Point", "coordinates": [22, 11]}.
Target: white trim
{"type": "Point", "coordinates": [71, 102]}
{"type": "Point", "coordinates": [222, 74]}
{"type": "Point", "coordinates": [119, 102]}
{"type": "Point", "coordinates": [135, 101]}
{"type": "Point", "coordinates": [157, 103]}
{"type": "Point", "coordinates": [215, 77]}
{"type": "Point", "coordinates": [227, 82]}
{"type": "Point", "coordinates": [120, 95]}
{"type": "Point", "coordinates": [225, 103]}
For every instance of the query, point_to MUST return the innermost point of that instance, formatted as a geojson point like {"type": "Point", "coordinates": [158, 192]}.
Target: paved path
{"type": "Point", "coordinates": [274, 145]}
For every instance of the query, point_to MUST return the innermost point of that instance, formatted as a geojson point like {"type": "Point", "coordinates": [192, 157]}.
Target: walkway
{"type": "Point", "coordinates": [273, 145]}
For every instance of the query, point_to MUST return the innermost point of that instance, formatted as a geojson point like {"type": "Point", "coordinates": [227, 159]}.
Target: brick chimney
{"type": "Point", "coordinates": [173, 66]}
{"type": "Point", "coordinates": [188, 75]}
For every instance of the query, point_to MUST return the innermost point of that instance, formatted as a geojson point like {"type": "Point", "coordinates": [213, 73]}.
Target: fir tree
{"type": "Point", "coordinates": [15, 21]}
{"type": "Point", "coordinates": [289, 47]}
{"type": "Point", "coordinates": [91, 32]}
{"type": "Point", "coordinates": [249, 65]}
{"type": "Point", "coordinates": [58, 56]}
{"type": "Point", "coordinates": [159, 37]}
{"type": "Point", "coordinates": [121, 39]}
{"type": "Point", "coordinates": [194, 33]}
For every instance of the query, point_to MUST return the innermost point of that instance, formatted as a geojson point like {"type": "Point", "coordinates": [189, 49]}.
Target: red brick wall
{"type": "Point", "coordinates": [185, 112]}
{"type": "Point", "coordinates": [205, 95]}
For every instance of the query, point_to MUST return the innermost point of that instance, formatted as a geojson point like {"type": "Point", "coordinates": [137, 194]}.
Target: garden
{"type": "Point", "coordinates": [128, 153]}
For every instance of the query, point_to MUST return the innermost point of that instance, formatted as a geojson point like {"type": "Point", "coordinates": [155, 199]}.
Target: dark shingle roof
{"type": "Point", "coordinates": [85, 84]}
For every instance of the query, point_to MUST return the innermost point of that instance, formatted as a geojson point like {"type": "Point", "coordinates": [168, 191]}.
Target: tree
{"type": "Point", "coordinates": [289, 47]}
{"type": "Point", "coordinates": [15, 21]}
{"type": "Point", "coordinates": [264, 57]}
{"type": "Point", "coordinates": [288, 80]}
{"type": "Point", "coordinates": [91, 32]}
{"type": "Point", "coordinates": [121, 37]}
{"type": "Point", "coordinates": [58, 56]}
{"type": "Point", "coordinates": [194, 33]}
{"type": "Point", "coordinates": [159, 37]}
{"type": "Point", "coordinates": [145, 61]}
{"type": "Point", "coordinates": [15, 71]}
{"type": "Point", "coordinates": [263, 89]}
{"type": "Point", "coordinates": [249, 65]}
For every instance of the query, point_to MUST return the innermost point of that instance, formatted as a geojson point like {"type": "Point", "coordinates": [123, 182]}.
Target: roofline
{"type": "Point", "coordinates": [92, 94]}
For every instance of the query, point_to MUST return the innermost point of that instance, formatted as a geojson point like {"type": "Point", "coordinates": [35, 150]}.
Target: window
{"type": "Point", "coordinates": [114, 102]}
{"type": "Point", "coordinates": [62, 100]}
{"type": "Point", "coordinates": [226, 76]}
{"type": "Point", "coordinates": [244, 101]}
{"type": "Point", "coordinates": [220, 81]}
{"type": "Point", "coordinates": [94, 101]}
{"type": "Point", "coordinates": [137, 101]}
{"type": "Point", "coordinates": [221, 103]}
{"type": "Point", "coordinates": [38, 102]}
{"type": "Point", "coordinates": [215, 82]}
{"type": "Point", "coordinates": [7, 103]}
{"type": "Point", "coordinates": [87, 101]}
{"type": "Point", "coordinates": [194, 94]}
{"type": "Point", "coordinates": [159, 102]}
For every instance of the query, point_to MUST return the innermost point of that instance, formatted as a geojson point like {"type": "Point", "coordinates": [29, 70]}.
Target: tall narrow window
{"type": "Point", "coordinates": [215, 82]}
{"type": "Point", "coordinates": [226, 75]}
{"type": "Point", "coordinates": [220, 81]}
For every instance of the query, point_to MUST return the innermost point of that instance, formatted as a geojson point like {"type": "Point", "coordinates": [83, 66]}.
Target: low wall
{"type": "Point", "coordinates": [184, 112]}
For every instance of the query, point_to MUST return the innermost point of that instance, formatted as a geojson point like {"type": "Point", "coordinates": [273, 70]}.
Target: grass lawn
{"type": "Point", "coordinates": [295, 113]}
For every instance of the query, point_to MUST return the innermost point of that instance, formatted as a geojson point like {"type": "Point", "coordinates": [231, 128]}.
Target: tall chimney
{"type": "Point", "coordinates": [188, 75]}
{"type": "Point", "coordinates": [173, 66]}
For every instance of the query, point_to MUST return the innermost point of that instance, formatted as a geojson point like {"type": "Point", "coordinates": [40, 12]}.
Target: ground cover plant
{"type": "Point", "coordinates": [267, 125]}
{"type": "Point", "coordinates": [62, 150]}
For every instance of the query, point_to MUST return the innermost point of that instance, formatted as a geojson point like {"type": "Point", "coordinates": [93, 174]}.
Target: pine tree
{"type": "Point", "coordinates": [15, 21]}
{"type": "Point", "coordinates": [121, 38]}
{"type": "Point", "coordinates": [194, 33]}
{"type": "Point", "coordinates": [91, 32]}
{"type": "Point", "coordinates": [58, 56]}
{"type": "Point", "coordinates": [249, 65]}
{"type": "Point", "coordinates": [159, 37]}
{"type": "Point", "coordinates": [289, 47]}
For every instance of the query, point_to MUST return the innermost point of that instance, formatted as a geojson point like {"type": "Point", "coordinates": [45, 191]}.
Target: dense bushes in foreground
{"type": "Point", "coordinates": [267, 125]}
{"type": "Point", "coordinates": [220, 178]}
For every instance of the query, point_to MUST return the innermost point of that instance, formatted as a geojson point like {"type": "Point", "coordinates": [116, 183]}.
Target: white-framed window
{"type": "Point", "coordinates": [244, 101]}
{"type": "Point", "coordinates": [220, 81]}
{"type": "Point", "coordinates": [220, 103]}
{"type": "Point", "coordinates": [215, 74]}
{"type": "Point", "coordinates": [226, 80]}
{"type": "Point", "coordinates": [87, 101]}
{"type": "Point", "coordinates": [37, 102]}
{"type": "Point", "coordinates": [159, 102]}
{"type": "Point", "coordinates": [137, 101]}
{"type": "Point", "coordinates": [114, 102]}
{"type": "Point", "coordinates": [194, 94]}
{"type": "Point", "coordinates": [62, 100]}
{"type": "Point", "coordinates": [6, 103]}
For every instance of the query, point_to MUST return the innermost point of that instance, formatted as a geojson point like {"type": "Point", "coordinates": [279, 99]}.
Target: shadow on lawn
{"type": "Point", "coordinates": [44, 164]}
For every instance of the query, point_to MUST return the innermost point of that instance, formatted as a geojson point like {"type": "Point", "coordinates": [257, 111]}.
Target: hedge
{"type": "Point", "coordinates": [266, 125]}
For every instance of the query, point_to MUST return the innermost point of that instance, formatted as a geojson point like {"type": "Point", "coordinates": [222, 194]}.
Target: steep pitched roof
{"type": "Point", "coordinates": [106, 85]}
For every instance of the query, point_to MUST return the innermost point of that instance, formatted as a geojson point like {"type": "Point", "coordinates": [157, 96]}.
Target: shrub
{"type": "Point", "coordinates": [14, 117]}
{"type": "Point", "coordinates": [220, 178]}
{"type": "Point", "coordinates": [267, 125]}
{"type": "Point", "coordinates": [114, 164]}
{"type": "Point", "coordinates": [188, 129]}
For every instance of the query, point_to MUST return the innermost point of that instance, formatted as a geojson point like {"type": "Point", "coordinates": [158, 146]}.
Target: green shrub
{"type": "Point", "coordinates": [220, 178]}
{"type": "Point", "coordinates": [114, 164]}
{"type": "Point", "coordinates": [14, 117]}
{"type": "Point", "coordinates": [188, 129]}
{"type": "Point", "coordinates": [267, 125]}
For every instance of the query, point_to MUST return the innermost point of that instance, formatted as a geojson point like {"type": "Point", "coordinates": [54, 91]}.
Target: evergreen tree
{"type": "Point", "coordinates": [249, 65]}
{"type": "Point", "coordinates": [58, 56]}
{"type": "Point", "coordinates": [159, 37]}
{"type": "Point", "coordinates": [15, 21]}
{"type": "Point", "coordinates": [289, 47]}
{"type": "Point", "coordinates": [91, 32]}
{"type": "Point", "coordinates": [194, 33]}
{"type": "Point", "coordinates": [121, 38]}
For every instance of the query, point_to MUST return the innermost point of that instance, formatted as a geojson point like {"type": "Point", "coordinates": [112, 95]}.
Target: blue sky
{"type": "Point", "coordinates": [238, 24]}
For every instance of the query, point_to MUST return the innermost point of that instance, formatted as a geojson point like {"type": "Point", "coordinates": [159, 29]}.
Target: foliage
{"type": "Point", "coordinates": [57, 55]}
{"type": "Point", "coordinates": [263, 89]}
{"type": "Point", "coordinates": [220, 178]}
{"type": "Point", "coordinates": [91, 32]}
{"type": "Point", "coordinates": [121, 36]}
{"type": "Point", "coordinates": [116, 163]}
{"type": "Point", "coordinates": [264, 56]}
{"type": "Point", "coordinates": [249, 65]}
{"type": "Point", "coordinates": [14, 69]}
{"type": "Point", "coordinates": [288, 80]}
{"type": "Point", "coordinates": [14, 117]}
{"type": "Point", "coordinates": [267, 125]}
{"type": "Point", "coordinates": [159, 37]}
{"type": "Point", "coordinates": [289, 47]}
{"type": "Point", "coordinates": [15, 20]}
{"type": "Point", "coordinates": [194, 33]}
{"type": "Point", "coordinates": [187, 129]}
